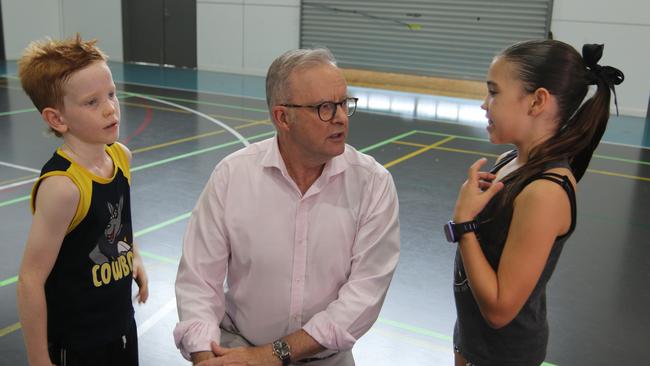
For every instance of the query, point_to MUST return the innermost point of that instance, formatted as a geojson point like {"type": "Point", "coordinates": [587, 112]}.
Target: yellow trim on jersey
{"type": "Point", "coordinates": [83, 179]}
{"type": "Point", "coordinates": [120, 159]}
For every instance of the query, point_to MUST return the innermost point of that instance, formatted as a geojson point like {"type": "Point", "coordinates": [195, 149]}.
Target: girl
{"type": "Point", "coordinates": [512, 222]}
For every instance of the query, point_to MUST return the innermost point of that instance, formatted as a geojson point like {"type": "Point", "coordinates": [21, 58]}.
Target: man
{"type": "Point", "coordinates": [305, 227]}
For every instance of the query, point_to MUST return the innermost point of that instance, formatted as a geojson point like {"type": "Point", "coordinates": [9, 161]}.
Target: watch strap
{"type": "Point", "coordinates": [453, 231]}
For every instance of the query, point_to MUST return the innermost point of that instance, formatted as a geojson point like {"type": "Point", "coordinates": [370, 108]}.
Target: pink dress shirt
{"type": "Point", "coordinates": [321, 261]}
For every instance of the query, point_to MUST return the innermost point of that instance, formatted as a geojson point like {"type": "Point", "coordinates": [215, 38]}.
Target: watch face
{"type": "Point", "coordinates": [281, 349]}
{"type": "Point", "coordinates": [449, 233]}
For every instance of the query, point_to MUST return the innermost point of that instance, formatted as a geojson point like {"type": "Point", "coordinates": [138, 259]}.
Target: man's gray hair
{"type": "Point", "coordinates": [278, 89]}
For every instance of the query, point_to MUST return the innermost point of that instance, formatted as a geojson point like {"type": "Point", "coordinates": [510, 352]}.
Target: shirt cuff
{"type": "Point", "coordinates": [195, 336]}
{"type": "Point", "coordinates": [323, 329]}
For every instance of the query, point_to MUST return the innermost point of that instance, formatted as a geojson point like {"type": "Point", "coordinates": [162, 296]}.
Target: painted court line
{"type": "Point", "coordinates": [479, 153]}
{"type": "Point", "coordinates": [18, 184]}
{"type": "Point", "coordinates": [196, 137]}
{"type": "Point", "coordinates": [418, 152]}
{"type": "Point", "coordinates": [18, 179]}
{"type": "Point", "coordinates": [198, 102]}
{"type": "Point", "coordinates": [176, 110]}
{"type": "Point", "coordinates": [486, 140]}
{"type": "Point", "coordinates": [20, 167]}
{"type": "Point", "coordinates": [201, 114]}
{"type": "Point", "coordinates": [156, 317]}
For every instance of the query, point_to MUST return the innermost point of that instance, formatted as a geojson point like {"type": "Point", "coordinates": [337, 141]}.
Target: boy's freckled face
{"type": "Point", "coordinates": [91, 109]}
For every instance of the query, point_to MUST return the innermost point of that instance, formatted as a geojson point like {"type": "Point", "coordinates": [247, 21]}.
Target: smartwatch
{"type": "Point", "coordinates": [453, 231]}
{"type": "Point", "coordinates": [282, 350]}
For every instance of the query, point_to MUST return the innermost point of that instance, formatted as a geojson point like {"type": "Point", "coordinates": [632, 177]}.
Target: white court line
{"type": "Point", "coordinates": [22, 182]}
{"type": "Point", "coordinates": [239, 137]}
{"type": "Point", "coordinates": [16, 184]}
{"type": "Point", "coordinates": [155, 318]}
{"type": "Point", "coordinates": [15, 166]}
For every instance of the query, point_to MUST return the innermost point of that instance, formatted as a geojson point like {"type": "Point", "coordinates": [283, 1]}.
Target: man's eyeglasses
{"type": "Point", "coordinates": [327, 110]}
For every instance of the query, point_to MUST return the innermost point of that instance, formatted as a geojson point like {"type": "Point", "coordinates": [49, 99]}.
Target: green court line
{"type": "Point", "coordinates": [14, 200]}
{"type": "Point", "coordinates": [157, 257]}
{"type": "Point", "coordinates": [387, 141]}
{"type": "Point", "coordinates": [8, 281]}
{"type": "Point", "coordinates": [18, 111]}
{"type": "Point", "coordinates": [162, 224]}
{"type": "Point", "coordinates": [606, 157]}
{"type": "Point", "coordinates": [414, 329]}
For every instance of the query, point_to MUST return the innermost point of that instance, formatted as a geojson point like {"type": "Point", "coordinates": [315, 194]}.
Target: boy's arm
{"type": "Point", "coordinates": [140, 276]}
{"type": "Point", "coordinates": [56, 204]}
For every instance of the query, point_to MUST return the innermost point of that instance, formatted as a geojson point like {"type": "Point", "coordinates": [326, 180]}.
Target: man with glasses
{"type": "Point", "coordinates": [302, 228]}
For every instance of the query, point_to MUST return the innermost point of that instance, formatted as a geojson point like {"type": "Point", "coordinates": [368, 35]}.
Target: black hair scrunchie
{"type": "Point", "coordinates": [591, 54]}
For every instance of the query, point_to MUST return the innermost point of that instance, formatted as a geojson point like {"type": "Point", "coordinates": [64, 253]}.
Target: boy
{"type": "Point", "coordinates": [74, 287]}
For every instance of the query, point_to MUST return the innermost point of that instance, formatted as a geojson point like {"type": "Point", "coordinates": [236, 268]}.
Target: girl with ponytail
{"type": "Point", "coordinates": [512, 222]}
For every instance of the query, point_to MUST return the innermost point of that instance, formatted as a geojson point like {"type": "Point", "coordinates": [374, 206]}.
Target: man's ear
{"type": "Point", "coordinates": [540, 101]}
{"type": "Point", "coordinates": [280, 117]}
{"type": "Point", "coordinates": [54, 119]}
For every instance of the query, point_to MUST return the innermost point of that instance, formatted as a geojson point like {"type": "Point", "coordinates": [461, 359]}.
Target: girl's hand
{"type": "Point", "coordinates": [475, 193]}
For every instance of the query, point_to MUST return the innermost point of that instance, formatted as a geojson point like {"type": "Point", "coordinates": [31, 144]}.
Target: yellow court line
{"type": "Point", "coordinates": [12, 328]}
{"type": "Point", "coordinates": [9, 181]}
{"type": "Point", "coordinates": [448, 149]}
{"type": "Point", "coordinates": [175, 110]}
{"type": "Point", "coordinates": [451, 149]}
{"type": "Point", "coordinates": [196, 137]}
{"type": "Point", "coordinates": [409, 143]}
{"type": "Point", "coordinates": [418, 152]}
{"type": "Point", "coordinates": [426, 147]}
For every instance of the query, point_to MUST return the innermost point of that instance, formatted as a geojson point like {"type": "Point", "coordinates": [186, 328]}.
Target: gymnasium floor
{"type": "Point", "coordinates": [597, 299]}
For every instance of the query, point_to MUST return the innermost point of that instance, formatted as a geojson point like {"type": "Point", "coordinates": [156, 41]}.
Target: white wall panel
{"type": "Point", "coordinates": [269, 31]}
{"type": "Point", "coordinates": [96, 19]}
{"type": "Point", "coordinates": [219, 36]}
{"type": "Point", "coordinates": [619, 52]}
{"type": "Point", "coordinates": [22, 24]}
{"type": "Point", "coordinates": [624, 28]}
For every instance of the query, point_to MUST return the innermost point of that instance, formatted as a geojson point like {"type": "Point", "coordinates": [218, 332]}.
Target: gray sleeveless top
{"type": "Point", "coordinates": [523, 341]}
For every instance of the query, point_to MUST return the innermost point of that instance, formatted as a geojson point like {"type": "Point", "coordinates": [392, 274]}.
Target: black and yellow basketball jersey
{"type": "Point", "coordinates": [88, 291]}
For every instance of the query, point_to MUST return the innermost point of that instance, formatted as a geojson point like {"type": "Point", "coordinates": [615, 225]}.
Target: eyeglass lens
{"type": "Point", "coordinates": [327, 111]}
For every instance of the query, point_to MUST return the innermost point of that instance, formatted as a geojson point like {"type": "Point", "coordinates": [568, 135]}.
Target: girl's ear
{"type": "Point", "coordinates": [54, 119]}
{"type": "Point", "coordinates": [540, 101]}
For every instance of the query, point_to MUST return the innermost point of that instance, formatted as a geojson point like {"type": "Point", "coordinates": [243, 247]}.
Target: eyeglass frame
{"type": "Point", "coordinates": [318, 106]}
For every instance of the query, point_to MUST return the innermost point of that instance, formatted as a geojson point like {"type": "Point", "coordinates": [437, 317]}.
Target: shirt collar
{"type": "Point", "coordinates": [273, 159]}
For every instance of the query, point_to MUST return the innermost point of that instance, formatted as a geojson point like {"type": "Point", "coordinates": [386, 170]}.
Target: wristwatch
{"type": "Point", "coordinates": [282, 350]}
{"type": "Point", "coordinates": [454, 231]}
